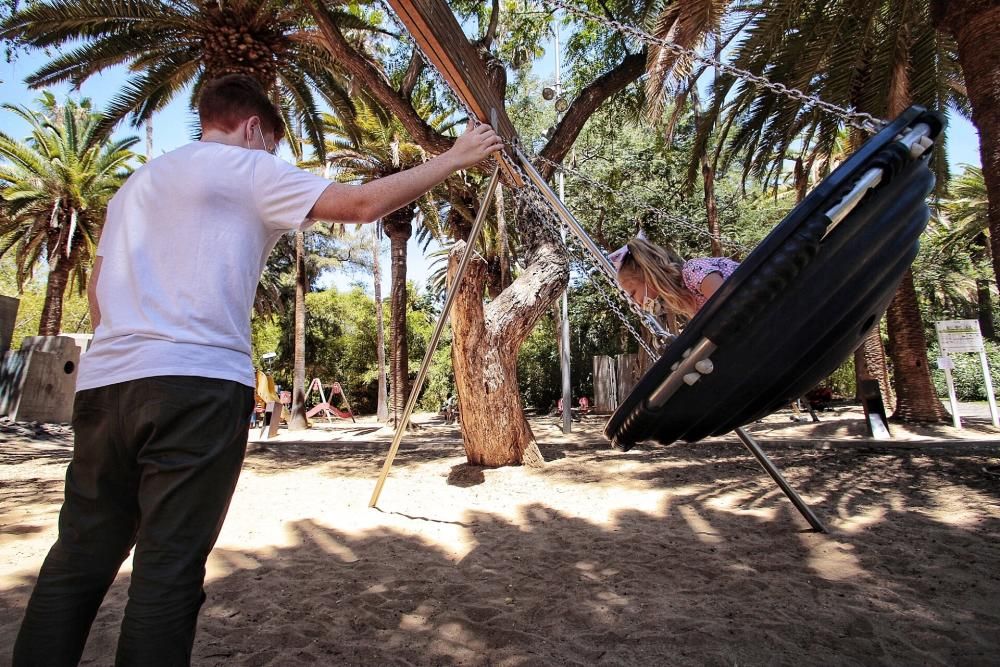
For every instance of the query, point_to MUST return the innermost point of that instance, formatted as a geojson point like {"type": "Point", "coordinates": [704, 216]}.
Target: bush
{"type": "Point", "coordinates": [842, 381]}
{"type": "Point", "coordinates": [967, 374]}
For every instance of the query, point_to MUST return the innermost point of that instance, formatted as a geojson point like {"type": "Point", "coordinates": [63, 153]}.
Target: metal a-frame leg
{"type": "Point", "coordinates": [470, 250]}
{"type": "Point", "coordinates": [776, 475]}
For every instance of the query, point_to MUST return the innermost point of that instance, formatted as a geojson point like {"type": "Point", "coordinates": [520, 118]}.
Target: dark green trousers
{"type": "Point", "coordinates": [155, 463]}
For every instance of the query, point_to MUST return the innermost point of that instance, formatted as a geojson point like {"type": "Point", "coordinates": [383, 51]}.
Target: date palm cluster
{"type": "Point", "coordinates": [238, 42]}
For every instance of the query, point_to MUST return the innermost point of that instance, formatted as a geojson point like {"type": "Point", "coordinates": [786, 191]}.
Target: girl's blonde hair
{"type": "Point", "coordinates": [661, 268]}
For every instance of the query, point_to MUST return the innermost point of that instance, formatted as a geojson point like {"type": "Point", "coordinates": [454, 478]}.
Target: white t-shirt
{"type": "Point", "coordinates": [183, 247]}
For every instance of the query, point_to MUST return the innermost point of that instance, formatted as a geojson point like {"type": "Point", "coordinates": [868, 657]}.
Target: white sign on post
{"type": "Point", "coordinates": [956, 337]}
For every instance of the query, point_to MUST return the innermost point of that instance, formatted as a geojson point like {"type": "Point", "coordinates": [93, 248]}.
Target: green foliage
{"type": "Point", "coordinates": [847, 53]}
{"type": "Point", "coordinates": [56, 184]}
{"type": "Point", "coordinates": [842, 382]}
{"type": "Point", "coordinates": [341, 339]}
{"type": "Point", "coordinates": [967, 374]}
{"type": "Point", "coordinates": [440, 377]}
{"type": "Point", "coordinates": [76, 312]}
{"type": "Point", "coordinates": [54, 191]}
{"type": "Point", "coordinates": [538, 366]}
{"type": "Point", "coordinates": [168, 47]}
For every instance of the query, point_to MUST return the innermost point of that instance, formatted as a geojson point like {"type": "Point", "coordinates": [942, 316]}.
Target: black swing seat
{"type": "Point", "coordinates": [799, 304]}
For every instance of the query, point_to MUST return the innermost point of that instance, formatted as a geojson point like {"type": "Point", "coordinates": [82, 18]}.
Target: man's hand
{"type": "Point", "coordinates": [368, 202]}
{"type": "Point", "coordinates": [474, 146]}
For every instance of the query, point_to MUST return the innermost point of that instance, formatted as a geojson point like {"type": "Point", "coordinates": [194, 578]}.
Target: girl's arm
{"type": "Point", "coordinates": [711, 284]}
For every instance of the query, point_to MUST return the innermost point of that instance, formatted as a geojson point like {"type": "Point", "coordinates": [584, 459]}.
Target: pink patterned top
{"type": "Point", "coordinates": [695, 270]}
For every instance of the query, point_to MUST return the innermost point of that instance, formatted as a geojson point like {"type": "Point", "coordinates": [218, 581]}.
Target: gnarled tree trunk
{"type": "Point", "coordinates": [485, 347]}
{"type": "Point", "coordinates": [487, 337]}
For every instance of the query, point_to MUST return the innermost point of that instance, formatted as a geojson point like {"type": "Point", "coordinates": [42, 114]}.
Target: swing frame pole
{"type": "Point", "coordinates": [470, 250]}
{"type": "Point", "coordinates": [779, 479]}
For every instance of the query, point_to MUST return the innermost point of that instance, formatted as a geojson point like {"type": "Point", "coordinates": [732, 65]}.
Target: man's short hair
{"type": "Point", "coordinates": [227, 101]}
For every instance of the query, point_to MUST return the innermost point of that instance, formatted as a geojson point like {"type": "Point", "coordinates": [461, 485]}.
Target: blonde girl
{"type": "Point", "coordinates": [651, 273]}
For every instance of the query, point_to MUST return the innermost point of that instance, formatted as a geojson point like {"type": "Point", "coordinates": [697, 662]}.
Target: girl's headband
{"type": "Point", "coordinates": [617, 258]}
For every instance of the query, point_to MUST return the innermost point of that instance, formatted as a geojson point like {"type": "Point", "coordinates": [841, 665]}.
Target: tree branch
{"type": "Point", "coordinates": [412, 75]}
{"type": "Point", "coordinates": [372, 79]}
{"type": "Point", "coordinates": [491, 31]}
{"type": "Point", "coordinates": [586, 103]}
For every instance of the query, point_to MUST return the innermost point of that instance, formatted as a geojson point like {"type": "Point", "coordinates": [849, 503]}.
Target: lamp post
{"type": "Point", "coordinates": [564, 359]}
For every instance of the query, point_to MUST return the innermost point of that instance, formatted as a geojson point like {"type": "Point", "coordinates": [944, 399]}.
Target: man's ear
{"type": "Point", "coordinates": [248, 128]}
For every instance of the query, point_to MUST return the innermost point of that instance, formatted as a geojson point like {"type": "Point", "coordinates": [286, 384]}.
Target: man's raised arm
{"type": "Point", "coordinates": [378, 198]}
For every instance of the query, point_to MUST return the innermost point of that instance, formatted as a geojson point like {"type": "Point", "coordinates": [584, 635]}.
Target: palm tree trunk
{"type": "Point", "coordinates": [399, 230]}
{"type": "Point", "coordinates": [382, 410]}
{"type": "Point", "coordinates": [55, 290]}
{"type": "Point", "coordinates": [975, 25]}
{"type": "Point", "coordinates": [984, 301]}
{"type": "Point", "coordinates": [916, 400]}
{"type": "Point", "coordinates": [711, 209]}
{"type": "Point", "coordinates": [298, 419]}
{"type": "Point", "coordinates": [870, 364]}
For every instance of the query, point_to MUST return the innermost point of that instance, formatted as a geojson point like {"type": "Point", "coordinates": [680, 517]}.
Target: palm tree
{"type": "Point", "coordinates": [172, 45]}
{"type": "Point", "coordinates": [964, 230]}
{"type": "Point", "coordinates": [973, 24]}
{"type": "Point", "coordinates": [56, 186]}
{"type": "Point", "coordinates": [373, 145]}
{"type": "Point", "coordinates": [875, 57]}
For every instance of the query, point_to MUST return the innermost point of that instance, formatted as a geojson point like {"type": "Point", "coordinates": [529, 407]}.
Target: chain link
{"type": "Point", "coordinates": [551, 219]}
{"type": "Point", "coordinates": [595, 272]}
{"type": "Point", "coordinates": [579, 259]}
{"type": "Point", "coordinates": [860, 120]}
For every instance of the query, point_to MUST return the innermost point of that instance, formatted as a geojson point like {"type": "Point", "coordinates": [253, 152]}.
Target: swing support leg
{"type": "Point", "coordinates": [470, 250]}
{"type": "Point", "coordinates": [776, 475]}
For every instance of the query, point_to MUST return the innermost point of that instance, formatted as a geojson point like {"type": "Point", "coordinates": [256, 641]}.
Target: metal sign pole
{"type": "Point", "coordinates": [946, 364]}
{"type": "Point", "coordinates": [989, 388]}
{"type": "Point", "coordinates": [470, 250]}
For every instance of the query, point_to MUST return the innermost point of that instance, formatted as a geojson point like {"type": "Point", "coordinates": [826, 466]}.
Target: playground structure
{"type": "Point", "coordinates": [324, 405]}
{"type": "Point", "coordinates": [837, 259]}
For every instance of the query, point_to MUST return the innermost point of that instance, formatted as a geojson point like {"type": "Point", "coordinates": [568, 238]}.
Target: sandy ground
{"type": "Point", "coordinates": [678, 555]}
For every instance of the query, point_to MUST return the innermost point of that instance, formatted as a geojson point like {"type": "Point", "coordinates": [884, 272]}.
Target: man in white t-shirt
{"type": "Point", "coordinates": [165, 392]}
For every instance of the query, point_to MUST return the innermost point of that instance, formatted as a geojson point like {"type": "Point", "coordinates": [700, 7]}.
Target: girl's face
{"type": "Point", "coordinates": [633, 283]}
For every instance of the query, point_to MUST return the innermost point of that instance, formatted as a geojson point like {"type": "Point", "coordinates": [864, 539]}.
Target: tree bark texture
{"type": "Point", "coordinates": [375, 82]}
{"type": "Point", "coordinates": [870, 363]}
{"type": "Point", "coordinates": [297, 419]}
{"type": "Point", "coordinates": [711, 209]}
{"type": "Point", "coordinates": [975, 25]}
{"type": "Point", "coordinates": [916, 400]}
{"type": "Point", "coordinates": [484, 353]}
{"type": "Point", "coordinates": [984, 301]}
{"type": "Point", "coordinates": [381, 409]}
{"type": "Point", "coordinates": [398, 229]}
{"type": "Point", "coordinates": [55, 291]}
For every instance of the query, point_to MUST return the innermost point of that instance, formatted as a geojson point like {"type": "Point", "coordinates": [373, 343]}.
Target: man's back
{"type": "Point", "coordinates": [182, 250]}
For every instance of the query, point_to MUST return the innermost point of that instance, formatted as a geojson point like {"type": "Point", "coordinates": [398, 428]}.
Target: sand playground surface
{"type": "Point", "coordinates": [665, 555]}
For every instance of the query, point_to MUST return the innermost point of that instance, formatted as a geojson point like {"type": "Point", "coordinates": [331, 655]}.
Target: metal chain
{"type": "Point", "coordinates": [589, 268]}
{"type": "Point", "coordinates": [860, 120]}
{"type": "Point", "coordinates": [635, 201]}
{"type": "Point", "coordinates": [547, 214]}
